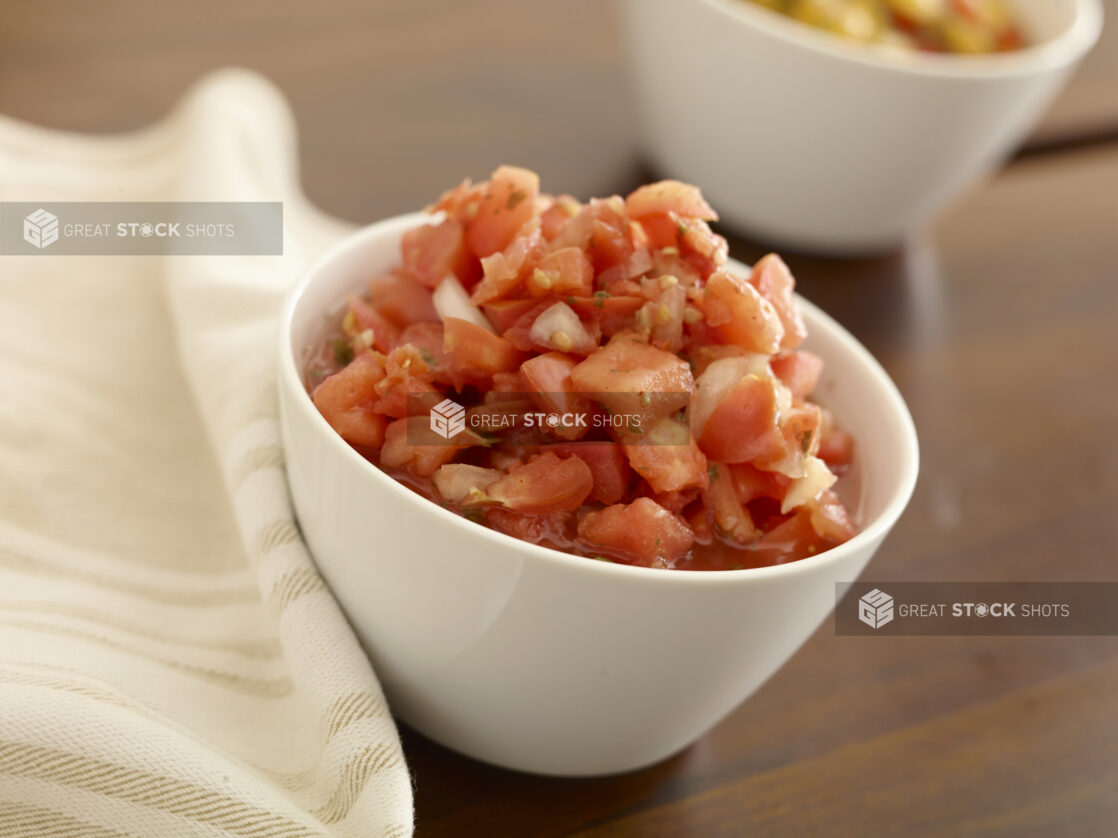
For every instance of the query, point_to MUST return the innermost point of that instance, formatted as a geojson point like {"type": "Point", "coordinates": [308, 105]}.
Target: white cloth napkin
{"type": "Point", "coordinates": [171, 664]}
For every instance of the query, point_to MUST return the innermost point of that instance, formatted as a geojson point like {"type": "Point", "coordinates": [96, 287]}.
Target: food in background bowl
{"type": "Point", "coordinates": [591, 377]}
{"type": "Point", "coordinates": [959, 26]}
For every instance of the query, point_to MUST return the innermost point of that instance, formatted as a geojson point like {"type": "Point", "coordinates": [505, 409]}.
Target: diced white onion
{"type": "Point", "coordinates": [817, 477]}
{"type": "Point", "coordinates": [560, 319]}
{"type": "Point", "coordinates": [451, 300]}
{"type": "Point", "coordinates": [460, 483]}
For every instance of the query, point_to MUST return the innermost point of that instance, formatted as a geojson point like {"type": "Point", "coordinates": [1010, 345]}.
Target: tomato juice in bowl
{"type": "Point", "coordinates": [536, 659]}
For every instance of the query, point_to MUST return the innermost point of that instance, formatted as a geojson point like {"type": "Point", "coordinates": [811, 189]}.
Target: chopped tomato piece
{"type": "Point", "coordinates": [478, 349]}
{"type": "Point", "coordinates": [731, 520]}
{"type": "Point", "coordinates": [669, 196]}
{"type": "Point", "coordinates": [507, 203]}
{"type": "Point", "coordinates": [744, 426]}
{"type": "Point", "coordinates": [562, 272]}
{"type": "Point", "coordinates": [549, 527]}
{"type": "Point", "coordinates": [642, 532]}
{"type": "Point", "coordinates": [544, 484]}
{"type": "Point", "coordinates": [432, 252]}
{"type": "Point", "coordinates": [549, 376]}
{"type": "Point", "coordinates": [607, 464]}
{"type": "Point", "coordinates": [830, 519]}
{"type": "Point", "coordinates": [505, 270]}
{"type": "Point", "coordinates": [795, 538]}
{"type": "Point", "coordinates": [503, 314]}
{"type": "Point", "coordinates": [799, 371]}
{"type": "Point", "coordinates": [752, 483]}
{"type": "Point", "coordinates": [742, 314]}
{"type": "Point", "coordinates": [402, 300]}
{"type": "Point", "coordinates": [385, 333]}
{"type": "Point", "coordinates": [345, 399]}
{"type": "Point", "coordinates": [667, 457]}
{"type": "Point", "coordinates": [836, 446]}
{"type": "Point", "coordinates": [410, 443]}
{"type": "Point", "coordinates": [629, 376]}
{"type": "Point", "coordinates": [774, 281]}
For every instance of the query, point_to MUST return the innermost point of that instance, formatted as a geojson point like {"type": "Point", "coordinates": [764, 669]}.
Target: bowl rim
{"type": "Point", "coordinates": [290, 379]}
{"type": "Point", "coordinates": [1051, 54]}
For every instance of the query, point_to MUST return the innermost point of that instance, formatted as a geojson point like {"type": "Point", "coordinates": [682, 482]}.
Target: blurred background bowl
{"type": "Point", "coordinates": [809, 140]}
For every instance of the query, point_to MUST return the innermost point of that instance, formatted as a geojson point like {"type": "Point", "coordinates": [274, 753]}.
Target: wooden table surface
{"type": "Point", "coordinates": [998, 324]}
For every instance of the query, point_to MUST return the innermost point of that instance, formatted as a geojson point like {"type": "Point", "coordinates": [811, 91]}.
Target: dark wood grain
{"type": "Point", "coordinates": [998, 325]}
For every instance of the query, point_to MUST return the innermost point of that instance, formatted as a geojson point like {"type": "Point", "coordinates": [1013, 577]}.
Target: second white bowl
{"type": "Point", "coordinates": [803, 138]}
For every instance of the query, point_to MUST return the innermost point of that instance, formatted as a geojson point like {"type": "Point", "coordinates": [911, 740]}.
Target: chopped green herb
{"type": "Point", "coordinates": [712, 472]}
{"type": "Point", "coordinates": [475, 515]}
{"type": "Point", "coordinates": [805, 440]}
{"type": "Point", "coordinates": [343, 352]}
{"type": "Point", "coordinates": [428, 357]}
{"type": "Point", "coordinates": [600, 298]}
{"type": "Point", "coordinates": [515, 197]}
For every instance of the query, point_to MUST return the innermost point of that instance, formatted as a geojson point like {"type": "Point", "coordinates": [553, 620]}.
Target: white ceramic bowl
{"type": "Point", "coordinates": [804, 138]}
{"type": "Point", "coordinates": [540, 661]}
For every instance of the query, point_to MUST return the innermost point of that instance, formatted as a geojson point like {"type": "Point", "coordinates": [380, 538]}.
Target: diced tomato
{"type": "Point", "coordinates": [666, 465]}
{"type": "Point", "coordinates": [385, 333]}
{"type": "Point", "coordinates": [744, 426]}
{"type": "Point", "coordinates": [800, 371]}
{"type": "Point", "coordinates": [728, 515]}
{"type": "Point", "coordinates": [830, 519]}
{"type": "Point", "coordinates": [669, 196]}
{"type": "Point", "coordinates": [406, 374]}
{"type": "Point", "coordinates": [609, 242]}
{"type": "Point", "coordinates": [504, 271]}
{"type": "Point", "coordinates": [427, 338]}
{"type": "Point", "coordinates": [742, 314]}
{"type": "Point", "coordinates": [432, 252]}
{"type": "Point", "coordinates": [475, 348]}
{"type": "Point", "coordinates": [402, 300]}
{"type": "Point", "coordinates": [550, 527]}
{"type": "Point", "coordinates": [774, 281]}
{"type": "Point", "coordinates": [613, 313]}
{"type": "Point", "coordinates": [836, 449]}
{"type": "Point", "coordinates": [562, 272]}
{"type": "Point", "coordinates": [629, 376]}
{"type": "Point", "coordinates": [752, 483]}
{"type": "Point", "coordinates": [642, 532]}
{"type": "Point", "coordinates": [697, 519]}
{"type": "Point", "coordinates": [554, 217]}
{"type": "Point", "coordinates": [345, 399]}
{"type": "Point", "coordinates": [544, 484]}
{"type": "Point", "coordinates": [410, 443]}
{"type": "Point", "coordinates": [607, 464]}
{"type": "Point", "coordinates": [665, 318]}
{"type": "Point", "coordinates": [503, 314]}
{"type": "Point", "coordinates": [709, 249]}
{"type": "Point", "coordinates": [795, 538]}
{"type": "Point", "coordinates": [506, 204]}
{"type": "Point", "coordinates": [661, 228]}
{"type": "Point", "coordinates": [550, 375]}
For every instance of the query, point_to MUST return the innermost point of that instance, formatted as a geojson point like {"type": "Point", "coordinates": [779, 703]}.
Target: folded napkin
{"type": "Point", "coordinates": [171, 664]}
